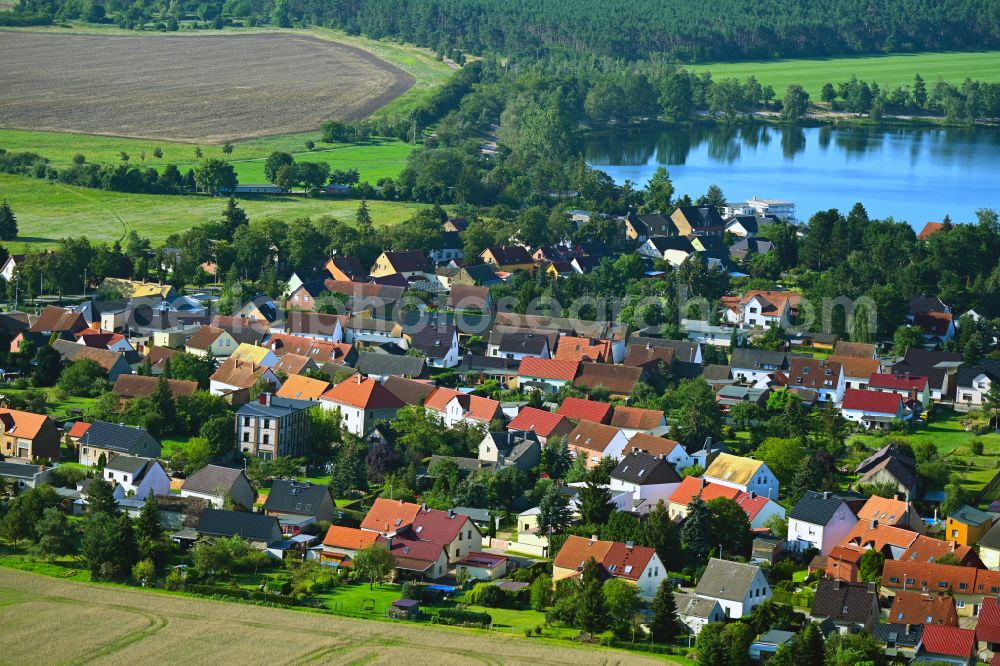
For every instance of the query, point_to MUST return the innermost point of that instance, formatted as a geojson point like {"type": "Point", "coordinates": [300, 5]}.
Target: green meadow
{"type": "Point", "coordinates": [888, 70]}
{"type": "Point", "coordinates": [48, 211]}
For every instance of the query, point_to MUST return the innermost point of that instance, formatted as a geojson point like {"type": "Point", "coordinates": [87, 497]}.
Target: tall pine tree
{"type": "Point", "coordinates": [664, 607]}
{"type": "Point", "coordinates": [8, 222]}
{"type": "Point", "coordinates": [592, 609]}
{"type": "Point", "coordinates": [697, 527]}
{"type": "Point", "coordinates": [363, 218]}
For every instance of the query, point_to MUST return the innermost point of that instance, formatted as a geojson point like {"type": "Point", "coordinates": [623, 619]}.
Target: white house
{"type": "Point", "coordinates": [213, 483]}
{"type": "Point", "coordinates": [438, 344]}
{"type": "Point", "coordinates": [745, 474]}
{"type": "Point", "coordinates": [820, 521]}
{"type": "Point", "coordinates": [871, 408]}
{"type": "Point", "coordinates": [763, 309]}
{"type": "Point", "coordinates": [695, 612]}
{"type": "Point", "coordinates": [973, 382]}
{"type": "Point", "coordinates": [823, 376]}
{"type": "Point", "coordinates": [637, 564]}
{"type": "Point", "coordinates": [673, 249]}
{"type": "Point", "coordinates": [136, 477]}
{"type": "Point", "coordinates": [362, 402]}
{"type": "Point", "coordinates": [649, 478]}
{"type": "Point", "coordinates": [738, 588]}
{"type": "Point", "coordinates": [759, 509]}
{"type": "Point", "coordinates": [753, 365]}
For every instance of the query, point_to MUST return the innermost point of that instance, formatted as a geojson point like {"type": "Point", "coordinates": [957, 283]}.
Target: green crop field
{"type": "Point", "coordinates": [47, 211]}
{"type": "Point", "coordinates": [889, 70]}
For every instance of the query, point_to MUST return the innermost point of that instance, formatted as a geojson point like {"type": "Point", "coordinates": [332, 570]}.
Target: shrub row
{"type": "Point", "coordinates": [239, 593]}
{"type": "Point", "coordinates": [454, 616]}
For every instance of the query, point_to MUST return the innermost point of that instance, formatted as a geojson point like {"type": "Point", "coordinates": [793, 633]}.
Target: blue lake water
{"type": "Point", "coordinates": [911, 174]}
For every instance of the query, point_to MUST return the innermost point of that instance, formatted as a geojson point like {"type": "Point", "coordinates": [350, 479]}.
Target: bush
{"type": "Point", "coordinates": [487, 594]}
{"type": "Point", "coordinates": [458, 617]}
{"type": "Point", "coordinates": [239, 593]}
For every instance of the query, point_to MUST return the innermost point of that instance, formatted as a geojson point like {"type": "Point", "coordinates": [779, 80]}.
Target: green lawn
{"type": "Point", "coordinates": [889, 70]}
{"type": "Point", "coordinates": [58, 410]}
{"type": "Point", "coordinates": [47, 211]}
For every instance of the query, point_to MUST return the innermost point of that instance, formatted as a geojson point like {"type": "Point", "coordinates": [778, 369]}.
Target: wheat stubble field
{"type": "Point", "coordinates": [209, 88]}
{"type": "Point", "coordinates": [50, 621]}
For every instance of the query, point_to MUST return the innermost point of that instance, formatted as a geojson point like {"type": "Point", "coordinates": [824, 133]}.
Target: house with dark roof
{"type": "Point", "coordinates": [114, 364]}
{"type": "Point", "coordinates": [618, 380]}
{"type": "Point", "coordinates": [409, 264]}
{"type": "Point", "coordinates": [973, 382]}
{"type": "Point", "coordinates": [852, 607]}
{"type": "Point", "coordinates": [113, 439]}
{"type": "Point", "coordinates": [273, 427]}
{"type": "Point", "coordinates": [508, 258]}
{"type": "Point", "coordinates": [382, 366]}
{"type": "Point", "coordinates": [695, 612]}
{"type": "Point", "coordinates": [438, 343]}
{"type": "Point", "coordinates": [753, 365]}
{"type": "Point", "coordinates": [519, 344]}
{"type": "Point", "coordinates": [738, 587]}
{"type": "Point", "coordinates": [966, 525]}
{"type": "Point", "coordinates": [898, 640]}
{"type": "Point", "coordinates": [297, 504]}
{"type": "Point", "coordinates": [456, 533]}
{"type": "Point", "coordinates": [698, 221]}
{"type": "Point", "coordinates": [820, 521]}
{"type": "Point", "coordinates": [127, 387]}
{"type": "Point", "coordinates": [513, 447]}
{"type": "Point", "coordinates": [20, 476]}
{"type": "Point", "coordinates": [260, 530]}
{"type": "Point", "coordinates": [650, 479]}
{"type": "Point", "coordinates": [136, 477]}
{"type": "Point", "coordinates": [469, 298]}
{"type": "Point", "coordinates": [344, 268]}
{"type": "Point", "coordinates": [62, 322]}
{"type": "Point", "coordinates": [214, 483]}
{"type": "Point", "coordinates": [672, 249]}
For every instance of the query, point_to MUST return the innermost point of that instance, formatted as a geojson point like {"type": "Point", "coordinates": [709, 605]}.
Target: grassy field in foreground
{"type": "Point", "coordinates": [47, 211]}
{"type": "Point", "coordinates": [114, 624]}
{"type": "Point", "coordinates": [889, 70]}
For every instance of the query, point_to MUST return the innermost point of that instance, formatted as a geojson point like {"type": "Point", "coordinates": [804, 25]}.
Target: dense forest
{"type": "Point", "coordinates": [684, 30]}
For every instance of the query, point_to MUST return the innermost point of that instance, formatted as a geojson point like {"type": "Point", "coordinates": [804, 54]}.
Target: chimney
{"type": "Point", "coordinates": [593, 538]}
{"type": "Point", "coordinates": [388, 543]}
{"type": "Point", "coordinates": [874, 523]}
{"type": "Point", "coordinates": [451, 513]}
{"type": "Point", "coordinates": [753, 494]}
{"type": "Point", "coordinates": [628, 545]}
{"type": "Point", "coordinates": [826, 494]}
{"type": "Point", "coordinates": [423, 507]}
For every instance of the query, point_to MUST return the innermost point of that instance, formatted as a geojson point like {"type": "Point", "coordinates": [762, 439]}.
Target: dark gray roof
{"type": "Point", "coordinates": [726, 580]}
{"type": "Point", "coordinates": [987, 366]}
{"type": "Point", "coordinates": [409, 391]}
{"type": "Point", "coordinates": [921, 303]}
{"type": "Point", "coordinates": [644, 469]}
{"type": "Point", "coordinates": [475, 515]}
{"type": "Point", "coordinates": [475, 362]}
{"type": "Point", "coordinates": [713, 372]}
{"type": "Point", "coordinates": [844, 602]}
{"type": "Point", "coordinates": [903, 635]}
{"type": "Point", "coordinates": [758, 359]}
{"type": "Point", "coordinates": [294, 497]}
{"type": "Point", "coordinates": [18, 471]}
{"type": "Point", "coordinates": [279, 407]}
{"type": "Point", "coordinates": [212, 480]}
{"type": "Point", "coordinates": [990, 540]}
{"type": "Point", "coordinates": [127, 464]}
{"type": "Point", "coordinates": [922, 357]}
{"type": "Point", "coordinates": [115, 437]}
{"type": "Point", "coordinates": [482, 274]}
{"type": "Point", "coordinates": [688, 605]}
{"type": "Point", "coordinates": [252, 526]}
{"type": "Point", "coordinates": [816, 508]}
{"type": "Point", "coordinates": [374, 363]}
{"type": "Point", "coordinates": [887, 451]}
{"type": "Point", "coordinates": [684, 350]}
{"type": "Point", "coordinates": [434, 341]}
{"type": "Point", "coordinates": [521, 342]}
{"type": "Point", "coordinates": [702, 216]}
{"type": "Point", "coordinates": [664, 243]}
{"type": "Point", "coordinates": [508, 440]}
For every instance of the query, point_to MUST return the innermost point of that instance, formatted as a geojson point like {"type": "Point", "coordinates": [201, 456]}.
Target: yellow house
{"type": "Point", "coordinates": [967, 525]}
{"type": "Point", "coordinates": [412, 263]}
{"type": "Point", "coordinates": [255, 354]}
{"type": "Point", "coordinates": [211, 341]}
{"type": "Point", "coordinates": [530, 539]}
{"type": "Point", "coordinates": [508, 258]}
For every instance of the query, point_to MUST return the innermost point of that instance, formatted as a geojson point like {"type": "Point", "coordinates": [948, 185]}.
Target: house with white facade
{"type": "Point", "coordinates": [745, 474]}
{"type": "Point", "coordinates": [972, 382]}
{"type": "Point", "coordinates": [872, 409]}
{"type": "Point", "coordinates": [136, 477]}
{"type": "Point", "coordinates": [823, 376]}
{"type": "Point", "coordinates": [638, 565]}
{"type": "Point", "coordinates": [820, 521]}
{"type": "Point", "coordinates": [649, 478]}
{"type": "Point", "coordinates": [738, 587]}
{"type": "Point", "coordinates": [753, 365]}
{"type": "Point", "coordinates": [695, 612]}
{"type": "Point", "coordinates": [362, 402]}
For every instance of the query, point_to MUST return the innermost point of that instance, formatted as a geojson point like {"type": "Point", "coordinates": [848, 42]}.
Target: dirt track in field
{"type": "Point", "coordinates": [208, 88]}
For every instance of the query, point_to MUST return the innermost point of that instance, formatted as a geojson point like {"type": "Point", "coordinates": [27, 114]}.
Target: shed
{"type": "Point", "coordinates": [405, 609]}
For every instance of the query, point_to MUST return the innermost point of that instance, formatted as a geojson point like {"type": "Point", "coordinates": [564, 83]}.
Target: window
{"type": "Point", "coordinates": [267, 423]}
{"type": "Point", "coordinates": [246, 421]}
{"type": "Point", "coordinates": [246, 437]}
{"type": "Point", "coordinates": [959, 603]}
{"type": "Point", "coordinates": [963, 586]}
{"type": "Point", "coordinates": [266, 439]}
{"type": "Point", "coordinates": [954, 533]}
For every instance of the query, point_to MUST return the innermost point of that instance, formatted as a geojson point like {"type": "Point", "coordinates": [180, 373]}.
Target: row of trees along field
{"type": "Point", "coordinates": [687, 30]}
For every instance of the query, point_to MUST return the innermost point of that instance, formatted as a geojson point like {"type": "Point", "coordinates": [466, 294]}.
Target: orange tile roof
{"type": "Point", "coordinates": [923, 608]}
{"type": "Point", "coordinates": [572, 348]}
{"type": "Point", "coordinates": [585, 410]}
{"type": "Point", "coordinates": [928, 549]}
{"type": "Point", "coordinates": [692, 487]}
{"type": "Point", "coordinates": [25, 424]}
{"type": "Point", "coordinates": [592, 436]}
{"type": "Point", "coordinates": [773, 301]}
{"type": "Point", "coordinates": [635, 418]}
{"type": "Point", "coordinates": [539, 421]}
{"type": "Point", "coordinates": [620, 557]}
{"type": "Point", "coordinates": [363, 394]}
{"type": "Point", "coordinates": [79, 429]}
{"type": "Point", "coordinates": [300, 387]}
{"type": "Point", "coordinates": [651, 444]}
{"type": "Point", "coordinates": [929, 230]}
{"type": "Point", "coordinates": [548, 368]}
{"type": "Point", "coordinates": [933, 577]}
{"type": "Point", "coordinates": [577, 550]}
{"type": "Point", "coordinates": [846, 554]}
{"type": "Point", "coordinates": [886, 511]}
{"type": "Point", "coordinates": [857, 367]}
{"type": "Point", "coordinates": [878, 537]}
{"type": "Point", "coordinates": [475, 407]}
{"type": "Point", "coordinates": [388, 515]}
{"type": "Point", "coordinates": [350, 538]}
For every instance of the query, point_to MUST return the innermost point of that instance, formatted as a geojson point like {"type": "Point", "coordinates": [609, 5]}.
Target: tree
{"type": "Point", "coordinates": [905, 338]}
{"type": "Point", "coordinates": [218, 432]}
{"type": "Point", "coordinates": [54, 534]}
{"type": "Point", "coordinates": [595, 504]}
{"type": "Point", "coordinates": [363, 218]}
{"type": "Point", "coordinates": [8, 222]}
{"type": "Point", "coordinates": [108, 546]}
{"type": "Point", "coordinates": [214, 176]}
{"type": "Point", "coordinates": [870, 566]}
{"type": "Point", "coordinates": [795, 105]}
{"type": "Point", "coordinates": [919, 92]}
{"type": "Point", "coordinates": [664, 623]}
{"type": "Point", "coordinates": [660, 533]}
{"type": "Point", "coordinates": [622, 601]}
{"type": "Point", "coordinates": [782, 456]}
{"type": "Point", "coordinates": [696, 530]}
{"type": "Point", "coordinates": [556, 459]}
{"type": "Point", "coordinates": [554, 514]}
{"type": "Point", "coordinates": [101, 497]}
{"type": "Point", "coordinates": [828, 94]}
{"type": "Point", "coordinates": [374, 564]}
{"type": "Point", "coordinates": [541, 592]}
{"type": "Point", "coordinates": [698, 415]}
{"type": "Point", "coordinates": [151, 541]}
{"type": "Point", "coordinates": [739, 636]}
{"type": "Point", "coordinates": [48, 366]}
{"type": "Point", "coordinates": [621, 527]}
{"type": "Point", "coordinates": [592, 609]}
{"type": "Point", "coordinates": [777, 525]}
{"type": "Point", "coordinates": [852, 650]}
{"type": "Point", "coordinates": [711, 645]}
{"type": "Point", "coordinates": [193, 368]}
{"type": "Point", "coordinates": [729, 526]}
{"type": "Point", "coordinates": [17, 523]}
{"type": "Point", "coordinates": [991, 403]}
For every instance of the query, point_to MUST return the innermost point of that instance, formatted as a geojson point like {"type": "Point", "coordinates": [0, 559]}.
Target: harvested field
{"type": "Point", "coordinates": [188, 88]}
{"type": "Point", "coordinates": [114, 625]}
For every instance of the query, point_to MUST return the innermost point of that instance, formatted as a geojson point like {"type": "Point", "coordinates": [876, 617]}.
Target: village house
{"type": "Point", "coordinates": [469, 298]}
{"type": "Point", "coordinates": [893, 512]}
{"type": "Point", "coordinates": [518, 448]}
{"type": "Point", "coordinates": [857, 370]}
{"type": "Point", "coordinates": [581, 409]}
{"type": "Point", "coordinates": [573, 348]}
{"type": "Point", "coordinates": [908, 387]}
{"type": "Point", "coordinates": [968, 586]}
{"type": "Point", "coordinates": [271, 427]}
{"type": "Point", "coordinates": [382, 367]}
{"type": "Point", "coordinates": [410, 264]}
{"type": "Point", "coordinates": [872, 409]}
{"type": "Point", "coordinates": [823, 376]}
{"type": "Point", "coordinates": [695, 612]}
{"type": "Point", "coordinates": [989, 548]}
{"type": "Point", "coordinates": [851, 607]}
{"type": "Point", "coordinates": [650, 479]}
{"type": "Point", "coordinates": [114, 364]}
{"type": "Point", "coordinates": [973, 382]}
{"type": "Point", "coordinates": [136, 477]}
{"type": "Point", "coordinates": [820, 521]}
{"type": "Point", "coordinates": [763, 309]}
{"type": "Point", "coordinates": [128, 387]}
{"type": "Point", "coordinates": [260, 530]}
{"type": "Point", "coordinates": [214, 483]}
{"type": "Point", "coordinates": [341, 544]}
{"type": "Point", "coordinates": [297, 505]}
{"type": "Point", "coordinates": [456, 533]}
{"type": "Point", "coordinates": [946, 645]}
{"type": "Point", "coordinates": [966, 525]}
{"type": "Point", "coordinates": [738, 588]}
{"type": "Point", "coordinates": [519, 344]}
{"type": "Point", "coordinates": [743, 474]}
{"type": "Point", "coordinates": [636, 420]}
{"type": "Point", "coordinates": [618, 380]}
{"type": "Point", "coordinates": [542, 423]}
{"type": "Point", "coordinates": [28, 436]}
{"type": "Point", "coordinates": [595, 441]}
{"type": "Point", "coordinates": [108, 440]}
{"type": "Point", "coordinates": [753, 365]}
{"type": "Point", "coordinates": [455, 406]}
{"type": "Point", "coordinates": [691, 487]}
{"type": "Point", "coordinates": [923, 608]}
{"type": "Point", "coordinates": [19, 476]}
{"type": "Point", "coordinates": [362, 403]}
{"type": "Point", "coordinates": [235, 375]}
{"type": "Point", "coordinates": [546, 374]}
{"type": "Point", "coordinates": [673, 249]}
{"type": "Point", "coordinates": [508, 258]}
{"type": "Point", "coordinates": [636, 564]}
{"type": "Point", "coordinates": [438, 343]}
{"type": "Point", "coordinates": [59, 321]}
{"type": "Point", "coordinates": [668, 449]}
{"type": "Point", "coordinates": [698, 221]}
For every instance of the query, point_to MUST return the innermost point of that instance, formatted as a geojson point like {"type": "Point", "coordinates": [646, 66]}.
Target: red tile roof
{"type": "Point", "coordinates": [388, 515]}
{"type": "Point", "coordinates": [692, 487]}
{"type": "Point", "coordinates": [539, 421]}
{"type": "Point", "coordinates": [548, 368]}
{"type": "Point", "coordinates": [577, 550]}
{"type": "Point", "coordinates": [900, 574]}
{"type": "Point", "coordinates": [933, 323]}
{"type": "Point", "coordinates": [475, 407]}
{"type": "Point", "coordinates": [846, 554]}
{"type": "Point", "coordinates": [751, 505]}
{"type": "Point", "coordinates": [948, 640]}
{"type": "Point", "coordinates": [903, 381]}
{"type": "Point", "coordinates": [620, 558]}
{"type": "Point", "coordinates": [572, 348]}
{"type": "Point", "coordinates": [929, 230]}
{"type": "Point", "coordinates": [923, 608]}
{"type": "Point", "coordinates": [617, 379]}
{"type": "Point", "coordinates": [635, 418]}
{"type": "Point", "coordinates": [79, 429]}
{"type": "Point", "coordinates": [879, 536]}
{"type": "Point", "coordinates": [363, 394]}
{"type": "Point", "coordinates": [928, 549]}
{"type": "Point", "coordinates": [872, 401]}
{"type": "Point", "coordinates": [438, 526]}
{"type": "Point", "coordinates": [585, 410]}
{"type": "Point", "coordinates": [988, 627]}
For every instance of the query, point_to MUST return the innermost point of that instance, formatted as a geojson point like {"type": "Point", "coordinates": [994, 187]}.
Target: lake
{"type": "Point", "coordinates": [911, 174]}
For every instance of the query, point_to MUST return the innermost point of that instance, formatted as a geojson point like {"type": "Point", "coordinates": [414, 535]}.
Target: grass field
{"type": "Point", "coordinates": [114, 625]}
{"type": "Point", "coordinates": [47, 212]}
{"type": "Point", "coordinates": [889, 70]}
